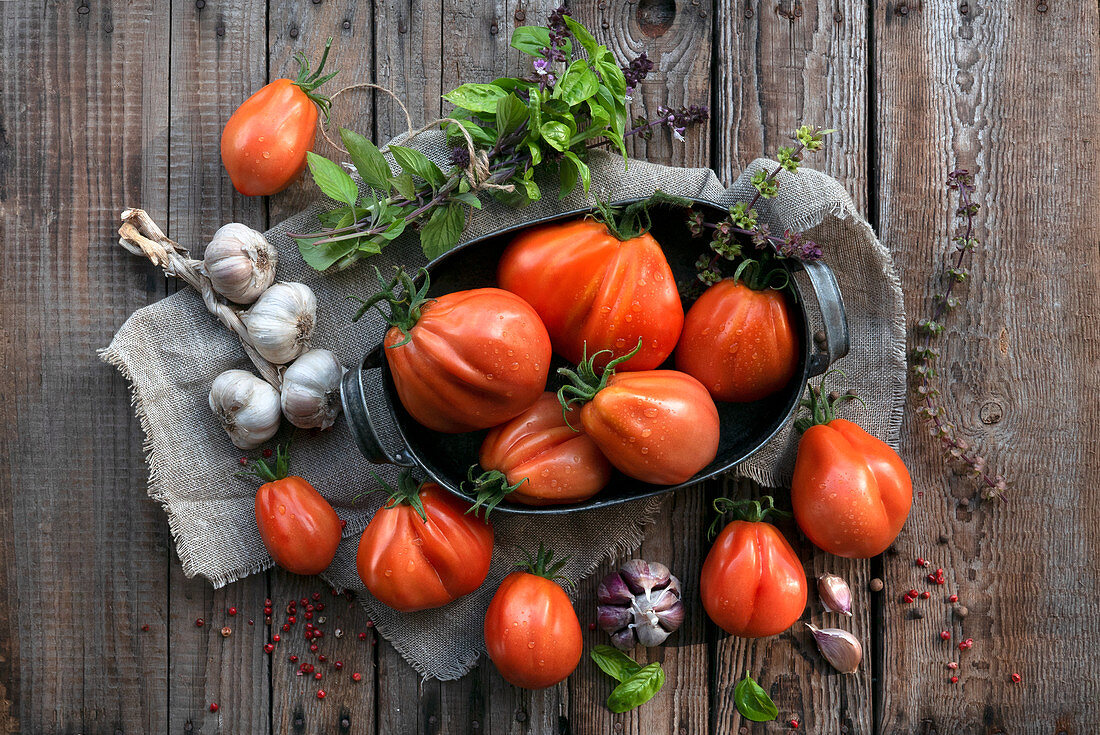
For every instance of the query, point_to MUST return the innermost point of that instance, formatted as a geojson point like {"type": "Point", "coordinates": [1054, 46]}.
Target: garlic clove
{"type": "Point", "coordinates": [839, 647]}
{"type": "Point", "coordinates": [835, 594]}
{"type": "Point", "coordinates": [624, 639]}
{"type": "Point", "coordinates": [280, 323]}
{"type": "Point", "coordinates": [240, 263]}
{"type": "Point", "coordinates": [651, 634]}
{"type": "Point", "coordinates": [672, 617]}
{"type": "Point", "coordinates": [642, 576]}
{"type": "Point", "coordinates": [311, 390]}
{"type": "Point", "coordinates": [613, 617]}
{"type": "Point", "coordinates": [246, 406]}
{"type": "Point", "coordinates": [613, 591]}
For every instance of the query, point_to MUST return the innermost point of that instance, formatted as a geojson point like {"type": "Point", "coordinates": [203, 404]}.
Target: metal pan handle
{"type": "Point", "coordinates": [353, 396]}
{"type": "Point", "coordinates": [833, 317]}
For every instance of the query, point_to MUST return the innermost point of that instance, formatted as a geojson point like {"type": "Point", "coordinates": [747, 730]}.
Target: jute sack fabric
{"type": "Point", "coordinates": [171, 351]}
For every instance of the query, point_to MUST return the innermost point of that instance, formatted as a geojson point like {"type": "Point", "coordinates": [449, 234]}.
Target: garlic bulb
{"type": "Point", "coordinates": [280, 323]}
{"type": "Point", "coordinates": [839, 647]}
{"type": "Point", "coordinates": [239, 263]}
{"type": "Point", "coordinates": [246, 406]}
{"type": "Point", "coordinates": [640, 603]}
{"type": "Point", "coordinates": [311, 390]}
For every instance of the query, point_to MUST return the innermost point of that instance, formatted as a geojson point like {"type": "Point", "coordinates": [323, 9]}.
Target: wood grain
{"type": "Point", "coordinates": [790, 63]}
{"type": "Point", "coordinates": [82, 553]}
{"type": "Point", "coordinates": [1011, 94]}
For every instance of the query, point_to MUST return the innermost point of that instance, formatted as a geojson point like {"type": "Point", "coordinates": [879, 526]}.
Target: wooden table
{"type": "Point", "coordinates": [109, 104]}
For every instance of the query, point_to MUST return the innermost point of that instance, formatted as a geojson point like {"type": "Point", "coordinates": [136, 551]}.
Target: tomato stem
{"type": "Point", "coordinates": [404, 309]}
{"type": "Point", "coordinates": [633, 220]}
{"type": "Point", "coordinates": [488, 489]}
{"type": "Point", "coordinates": [584, 384]}
{"type": "Point", "coordinates": [822, 407]}
{"type": "Point", "coordinates": [759, 274]}
{"type": "Point", "coordinates": [260, 470]}
{"type": "Point", "coordinates": [407, 492]}
{"type": "Point", "coordinates": [543, 564]}
{"type": "Point", "coordinates": [308, 82]}
{"type": "Point", "coordinates": [746, 509]}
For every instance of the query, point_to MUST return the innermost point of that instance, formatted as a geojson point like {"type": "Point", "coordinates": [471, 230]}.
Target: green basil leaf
{"type": "Point", "coordinates": [584, 38]}
{"type": "Point", "coordinates": [414, 162]}
{"type": "Point", "coordinates": [598, 127]}
{"type": "Point", "coordinates": [511, 112]}
{"type": "Point", "coordinates": [556, 134]}
{"type": "Point", "coordinates": [476, 97]}
{"type": "Point", "coordinates": [555, 106]}
{"type": "Point", "coordinates": [532, 189]}
{"type": "Point", "coordinates": [443, 230]}
{"type": "Point", "coordinates": [753, 702]}
{"type": "Point", "coordinates": [394, 230]}
{"type": "Point", "coordinates": [333, 181]}
{"type": "Point", "coordinates": [531, 40]}
{"type": "Point", "coordinates": [404, 185]}
{"type": "Point", "coordinates": [481, 136]}
{"type": "Point", "coordinates": [638, 689]}
{"type": "Point", "coordinates": [614, 662]}
{"type": "Point", "coordinates": [582, 170]}
{"type": "Point", "coordinates": [612, 75]}
{"type": "Point", "coordinates": [468, 197]}
{"type": "Point", "coordinates": [567, 176]}
{"type": "Point", "coordinates": [369, 162]}
{"type": "Point", "coordinates": [577, 84]}
{"type": "Point", "coordinates": [534, 111]}
{"type": "Point", "coordinates": [536, 153]}
{"type": "Point", "coordinates": [321, 257]}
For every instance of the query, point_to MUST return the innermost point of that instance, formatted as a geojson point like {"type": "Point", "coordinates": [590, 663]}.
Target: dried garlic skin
{"type": "Point", "coordinates": [240, 263]}
{"type": "Point", "coordinates": [246, 406]}
{"type": "Point", "coordinates": [639, 603]}
{"type": "Point", "coordinates": [311, 390]}
{"type": "Point", "coordinates": [280, 323]}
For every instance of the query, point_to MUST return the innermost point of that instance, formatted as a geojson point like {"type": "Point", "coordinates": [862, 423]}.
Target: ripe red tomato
{"type": "Point", "coordinates": [531, 630]}
{"type": "Point", "coordinates": [739, 342]}
{"type": "Point", "coordinates": [265, 142]}
{"type": "Point", "coordinates": [421, 550]}
{"type": "Point", "coordinates": [545, 460]}
{"type": "Point", "coordinates": [591, 288]}
{"type": "Point", "coordinates": [657, 426]}
{"type": "Point", "coordinates": [752, 583]}
{"type": "Point", "coordinates": [851, 492]}
{"type": "Point", "coordinates": [299, 528]}
{"type": "Point", "coordinates": [465, 361]}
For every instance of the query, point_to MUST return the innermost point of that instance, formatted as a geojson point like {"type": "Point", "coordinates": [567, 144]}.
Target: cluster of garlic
{"type": "Point", "coordinates": [240, 264]}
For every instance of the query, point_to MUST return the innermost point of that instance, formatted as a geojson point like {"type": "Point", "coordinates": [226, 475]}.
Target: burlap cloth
{"type": "Point", "coordinates": [172, 350]}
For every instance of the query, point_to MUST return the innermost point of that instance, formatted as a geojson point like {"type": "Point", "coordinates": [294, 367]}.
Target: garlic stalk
{"type": "Point", "coordinates": [839, 647]}
{"type": "Point", "coordinates": [281, 321]}
{"type": "Point", "coordinates": [835, 594]}
{"type": "Point", "coordinates": [246, 406]}
{"type": "Point", "coordinates": [311, 390]}
{"type": "Point", "coordinates": [140, 235]}
{"type": "Point", "coordinates": [239, 263]}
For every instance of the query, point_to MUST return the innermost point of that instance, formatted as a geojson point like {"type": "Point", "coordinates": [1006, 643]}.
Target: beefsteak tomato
{"type": "Point", "coordinates": [657, 426]}
{"type": "Point", "coordinates": [594, 288]}
{"type": "Point", "coordinates": [851, 493]}
{"type": "Point", "coordinates": [752, 583]}
{"type": "Point", "coordinates": [299, 528]}
{"type": "Point", "coordinates": [531, 630]}
{"type": "Point", "coordinates": [465, 361]}
{"type": "Point", "coordinates": [538, 459]}
{"type": "Point", "coordinates": [265, 141]}
{"type": "Point", "coordinates": [739, 342]}
{"type": "Point", "coordinates": [421, 550]}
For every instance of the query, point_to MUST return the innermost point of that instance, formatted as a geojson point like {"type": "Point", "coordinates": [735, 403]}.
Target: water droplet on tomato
{"type": "Point", "coordinates": [651, 413]}
{"type": "Point", "coordinates": [629, 317]}
{"type": "Point", "coordinates": [267, 154]}
{"type": "Point", "coordinates": [647, 432]}
{"type": "Point", "coordinates": [644, 450]}
{"type": "Point", "coordinates": [282, 510]}
{"type": "Point", "coordinates": [261, 139]}
{"type": "Point", "coordinates": [530, 644]}
{"type": "Point", "coordinates": [389, 572]}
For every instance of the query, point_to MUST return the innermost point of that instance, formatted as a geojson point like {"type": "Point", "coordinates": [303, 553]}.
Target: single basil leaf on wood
{"type": "Point", "coordinates": [369, 162]}
{"type": "Point", "coordinates": [577, 84]}
{"type": "Point", "coordinates": [556, 134]}
{"type": "Point", "coordinates": [614, 662]}
{"type": "Point", "coordinates": [638, 689]}
{"type": "Point", "coordinates": [531, 40]}
{"type": "Point", "coordinates": [582, 170]}
{"type": "Point", "coordinates": [753, 702]}
{"type": "Point", "coordinates": [476, 97]}
{"type": "Point", "coordinates": [321, 257]}
{"type": "Point", "coordinates": [584, 38]}
{"type": "Point", "coordinates": [332, 179]}
{"type": "Point", "coordinates": [404, 185]}
{"type": "Point", "coordinates": [443, 230]}
{"type": "Point", "coordinates": [414, 162]}
{"type": "Point", "coordinates": [511, 112]}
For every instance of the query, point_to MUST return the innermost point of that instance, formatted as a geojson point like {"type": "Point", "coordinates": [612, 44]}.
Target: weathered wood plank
{"type": "Point", "coordinates": [82, 553]}
{"type": "Point", "coordinates": [1009, 92]}
{"type": "Point", "coordinates": [789, 63]}
{"type": "Point", "coordinates": [218, 58]}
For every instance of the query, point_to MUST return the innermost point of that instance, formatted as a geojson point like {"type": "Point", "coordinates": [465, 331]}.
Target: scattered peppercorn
{"type": "Point", "coordinates": [213, 706]}
{"type": "Point", "coordinates": [921, 562]}
{"type": "Point", "coordinates": [226, 631]}
{"type": "Point", "coordinates": [199, 623]}
{"type": "Point", "coordinates": [313, 647]}
{"type": "Point", "coordinates": [251, 622]}
{"type": "Point", "coordinates": [145, 628]}
{"type": "Point", "coordinates": [320, 692]}
{"type": "Point", "coordinates": [362, 636]}
{"type": "Point", "coordinates": [267, 453]}
{"type": "Point", "coordinates": [591, 626]}
{"type": "Point", "coordinates": [232, 611]}
{"type": "Point", "coordinates": [370, 623]}
{"type": "Point", "coordinates": [794, 724]}
{"type": "Point", "coordinates": [946, 635]}
{"type": "Point", "coordinates": [318, 676]}
{"type": "Point", "coordinates": [925, 595]}
{"type": "Point", "coordinates": [876, 585]}
{"type": "Point", "coordinates": [276, 638]}
{"type": "Point", "coordinates": [243, 461]}
{"type": "Point", "coordinates": [316, 596]}
{"type": "Point", "coordinates": [1016, 678]}
{"type": "Point", "coordinates": [293, 658]}
{"type": "Point", "coordinates": [356, 676]}
{"type": "Point", "coordinates": [952, 665]}
{"type": "Point", "coordinates": [322, 658]}
{"type": "Point", "coordinates": [292, 620]}
{"type": "Point", "coordinates": [269, 647]}
{"type": "Point", "coordinates": [962, 611]}
{"type": "Point", "coordinates": [338, 665]}
{"type": "Point", "coordinates": [954, 680]}
{"type": "Point", "coordinates": [953, 598]}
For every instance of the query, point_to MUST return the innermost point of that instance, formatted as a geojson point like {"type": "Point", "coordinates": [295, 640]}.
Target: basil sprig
{"type": "Point", "coordinates": [753, 702]}
{"type": "Point", "coordinates": [638, 684]}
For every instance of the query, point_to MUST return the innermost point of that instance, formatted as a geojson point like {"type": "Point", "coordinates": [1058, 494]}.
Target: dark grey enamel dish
{"type": "Point", "coordinates": [445, 458]}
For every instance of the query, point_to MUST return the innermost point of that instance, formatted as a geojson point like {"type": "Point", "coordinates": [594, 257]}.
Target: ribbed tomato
{"type": "Point", "coordinates": [465, 361]}
{"type": "Point", "coordinates": [752, 583]}
{"type": "Point", "coordinates": [657, 426]}
{"type": "Point", "coordinates": [544, 461]}
{"type": "Point", "coordinates": [851, 493]}
{"type": "Point", "coordinates": [422, 550]}
{"type": "Point", "coordinates": [739, 342]}
{"type": "Point", "coordinates": [299, 528]}
{"type": "Point", "coordinates": [265, 141]}
{"type": "Point", "coordinates": [531, 630]}
{"type": "Point", "coordinates": [591, 288]}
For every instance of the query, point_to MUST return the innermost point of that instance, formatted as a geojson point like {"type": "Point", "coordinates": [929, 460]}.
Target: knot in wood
{"type": "Point", "coordinates": [991, 412]}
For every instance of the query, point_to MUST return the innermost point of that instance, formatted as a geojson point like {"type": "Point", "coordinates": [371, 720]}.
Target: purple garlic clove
{"type": "Point", "coordinates": [835, 594]}
{"type": "Point", "coordinates": [672, 617]}
{"type": "Point", "coordinates": [613, 591]}
{"type": "Point", "coordinates": [613, 617]}
{"type": "Point", "coordinates": [624, 639]}
{"type": "Point", "coordinates": [642, 577]}
{"type": "Point", "coordinates": [640, 603]}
